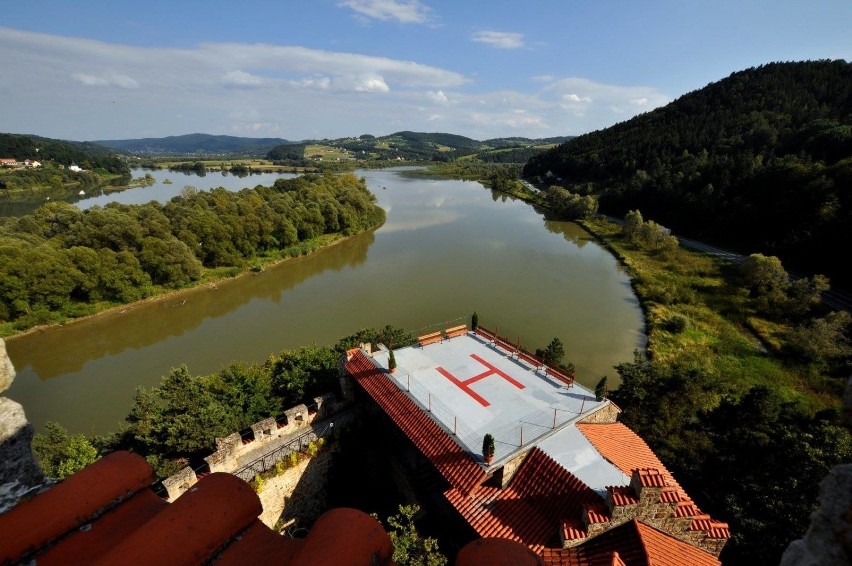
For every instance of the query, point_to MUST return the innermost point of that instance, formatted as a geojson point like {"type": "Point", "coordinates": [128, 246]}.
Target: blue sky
{"type": "Point", "coordinates": [89, 70]}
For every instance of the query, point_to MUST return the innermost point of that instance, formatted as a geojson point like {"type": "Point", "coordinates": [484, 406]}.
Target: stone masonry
{"type": "Point", "coordinates": [19, 471]}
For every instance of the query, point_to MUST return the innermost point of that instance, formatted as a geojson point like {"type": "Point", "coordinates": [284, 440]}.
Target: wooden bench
{"type": "Point", "coordinates": [430, 338]}
{"type": "Point", "coordinates": [484, 333]}
{"type": "Point", "coordinates": [530, 359]}
{"type": "Point", "coordinates": [455, 331]}
{"type": "Point", "coordinates": [563, 377]}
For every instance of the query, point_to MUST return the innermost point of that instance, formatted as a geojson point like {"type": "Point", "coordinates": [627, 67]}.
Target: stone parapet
{"type": "Point", "coordinates": [179, 483]}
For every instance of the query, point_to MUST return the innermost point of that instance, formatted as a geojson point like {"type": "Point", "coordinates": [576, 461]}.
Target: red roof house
{"type": "Point", "coordinates": [567, 480]}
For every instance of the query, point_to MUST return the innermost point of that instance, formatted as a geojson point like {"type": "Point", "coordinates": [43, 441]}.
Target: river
{"type": "Point", "coordinates": [448, 248]}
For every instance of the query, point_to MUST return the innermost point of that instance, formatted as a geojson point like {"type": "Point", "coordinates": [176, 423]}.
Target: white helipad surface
{"type": "Point", "coordinates": [473, 388]}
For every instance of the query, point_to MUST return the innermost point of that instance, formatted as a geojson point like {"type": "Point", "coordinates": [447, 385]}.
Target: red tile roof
{"type": "Point", "coordinates": [448, 457]}
{"type": "Point", "coordinates": [107, 514]}
{"type": "Point", "coordinates": [622, 495]}
{"type": "Point", "coordinates": [532, 508]}
{"type": "Point", "coordinates": [663, 550]}
{"type": "Point", "coordinates": [631, 544]}
{"type": "Point", "coordinates": [627, 451]}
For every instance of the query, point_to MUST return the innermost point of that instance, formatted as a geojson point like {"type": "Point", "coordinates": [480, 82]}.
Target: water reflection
{"type": "Point", "coordinates": [571, 231]}
{"type": "Point", "coordinates": [143, 324]}
{"type": "Point", "coordinates": [446, 250]}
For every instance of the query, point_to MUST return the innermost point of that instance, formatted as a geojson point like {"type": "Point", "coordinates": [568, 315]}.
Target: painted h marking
{"type": "Point", "coordinates": [489, 370]}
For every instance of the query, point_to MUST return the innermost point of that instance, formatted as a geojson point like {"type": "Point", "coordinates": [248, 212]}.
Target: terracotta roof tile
{"type": "Point", "coordinates": [106, 514]}
{"type": "Point", "coordinates": [672, 495]}
{"type": "Point", "coordinates": [624, 448]}
{"type": "Point", "coordinates": [631, 544]}
{"type": "Point", "coordinates": [72, 503]}
{"type": "Point", "coordinates": [596, 513]}
{"type": "Point", "coordinates": [652, 477]}
{"type": "Point", "coordinates": [622, 495]}
{"type": "Point", "coordinates": [628, 452]}
{"type": "Point", "coordinates": [532, 508]}
{"type": "Point", "coordinates": [573, 530]}
{"type": "Point", "coordinates": [663, 550]}
{"type": "Point", "coordinates": [448, 457]}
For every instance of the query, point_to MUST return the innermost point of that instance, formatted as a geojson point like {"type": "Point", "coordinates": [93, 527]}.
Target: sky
{"type": "Point", "coordinates": [314, 69]}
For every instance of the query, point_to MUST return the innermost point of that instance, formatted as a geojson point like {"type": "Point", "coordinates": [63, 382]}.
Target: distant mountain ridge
{"type": "Point", "coordinates": [194, 144]}
{"type": "Point", "coordinates": [758, 161]}
{"type": "Point", "coordinates": [406, 144]}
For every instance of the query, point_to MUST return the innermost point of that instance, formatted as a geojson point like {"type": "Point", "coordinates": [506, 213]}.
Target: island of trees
{"type": "Point", "coordinates": [61, 262]}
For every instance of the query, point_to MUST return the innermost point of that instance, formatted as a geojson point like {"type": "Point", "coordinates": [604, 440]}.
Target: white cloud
{"type": "Point", "coordinates": [372, 83]}
{"type": "Point", "coordinates": [499, 39]}
{"type": "Point", "coordinates": [406, 12]}
{"type": "Point", "coordinates": [543, 78]}
{"type": "Point", "coordinates": [314, 83]}
{"type": "Point", "coordinates": [241, 79]}
{"type": "Point", "coordinates": [107, 78]}
{"type": "Point", "coordinates": [437, 96]}
{"type": "Point", "coordinates": [64, 87]}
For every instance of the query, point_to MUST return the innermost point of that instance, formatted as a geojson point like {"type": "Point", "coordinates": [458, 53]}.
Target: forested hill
{"type": "Point", "coordinates": [195, 144]}
{"type": "Point", "coordinates": [759, 161]}
{"type": "Point", "coordinates": [85, 154]}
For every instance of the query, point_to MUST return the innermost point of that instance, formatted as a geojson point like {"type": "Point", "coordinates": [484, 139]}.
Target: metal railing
{"type": "Point", "coordinates": [271, 458]}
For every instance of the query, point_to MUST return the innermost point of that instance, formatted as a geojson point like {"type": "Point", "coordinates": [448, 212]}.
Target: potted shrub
{"type": "Point", "coordinates": [488, 448]}
{"type": "Point", "coordinates": [392, 362]}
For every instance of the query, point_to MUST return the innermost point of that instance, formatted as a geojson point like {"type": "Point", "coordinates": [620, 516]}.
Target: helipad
{"type": "Point", "coordinates": [472, 385]}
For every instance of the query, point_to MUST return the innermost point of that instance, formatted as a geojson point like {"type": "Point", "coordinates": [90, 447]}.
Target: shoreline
{"type": "Point", "coordinates": [200, 286]}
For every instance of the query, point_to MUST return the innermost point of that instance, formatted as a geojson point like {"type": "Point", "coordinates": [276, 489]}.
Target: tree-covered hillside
{"type": "Point", "coordinates": [195, 144]}
{"type": "Point", "coordinates": [759, 161]}
{"type": "Point", "coordinates": [86, 155]}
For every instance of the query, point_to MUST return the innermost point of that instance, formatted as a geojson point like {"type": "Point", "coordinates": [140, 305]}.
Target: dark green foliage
{"type": "Point", "coordinates": [761, 160]}
{"type": "Point", "coordinates": [774, 293]}
{"type": "Point", "coordinates": [60, 454]}
{"type": "Point", "coordinates": [290, 152]}
{"type": "Point", "coordinates": [303, 373]}
{"type": "Point", "coordinates": [647, 235]}
{"type": "Point", "coordinates": [391, 361]}
{"type": "Point", "coordinates": [822, 339]}
{"type": "Point", "coordinates": [195, 143]}
{"type": "Point", "coordinates": [60, 258]}
{"type": "Point", "coordinates": [488, 446]}
{"type": "Point", "coordinates": [390, 336]}
{"type": "Point", "coordinates": [553, 353]}
{"type": "Point", "coordinates": [753, 460]}
{"type": "Point", "coordinates": [601, 389]}
{"type": "Point", "coordinates": [409, 547]}
{"type": "Point", "coordinates": [571, 206]}
{"type": "Point", "coordinates": [86, 155]}
{"type": "Point", "coordinates": [675, 324]}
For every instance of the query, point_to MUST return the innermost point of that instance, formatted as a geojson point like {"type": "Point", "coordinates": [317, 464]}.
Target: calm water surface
{"type": "Point", "coordinates": [448, 248]}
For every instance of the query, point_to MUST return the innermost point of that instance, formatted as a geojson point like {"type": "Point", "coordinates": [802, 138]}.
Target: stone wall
{"type": "Point", "coordinates": [233, 453]}
{"type": "Point", "coordinates": [19, 471]}
{"type": "Point", "coordinates": [606, 414]}
{"type": "Point", "coordinates": [299, 494]}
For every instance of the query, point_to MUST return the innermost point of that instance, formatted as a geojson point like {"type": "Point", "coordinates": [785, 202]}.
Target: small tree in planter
{"type": "Point", "coordinates": [488, 448]}
{"type": "Point", "coordinates": [392, 362]}
{"type": "Point", "coordinates": [601, 389]}
{"type": "Point", "coordinates": [474, 321]}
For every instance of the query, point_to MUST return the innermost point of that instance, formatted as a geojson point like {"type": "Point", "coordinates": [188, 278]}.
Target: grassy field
{"type": "Point", "coordinates": [723, 333]}
{"type": "Point", "coordinates": [226, 164]}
